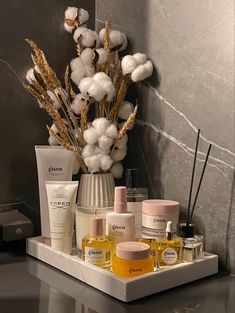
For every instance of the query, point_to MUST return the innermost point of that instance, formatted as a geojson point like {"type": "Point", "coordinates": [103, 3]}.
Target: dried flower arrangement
{"type": "Point", "coordinates": [92, 121]}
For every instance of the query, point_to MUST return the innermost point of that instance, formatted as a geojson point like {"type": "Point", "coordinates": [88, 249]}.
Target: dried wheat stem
{"type": "Point", "coordinates": [83, 123]}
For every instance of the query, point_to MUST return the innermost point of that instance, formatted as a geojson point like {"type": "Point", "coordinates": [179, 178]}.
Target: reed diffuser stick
{"type": "Point", "coordinates": [192, 178]}
{"type": "Point", "coordinates": [199, 185]}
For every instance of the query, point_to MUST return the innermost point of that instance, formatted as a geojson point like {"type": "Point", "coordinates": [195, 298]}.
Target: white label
{"type": "Point", "coordinates": [169, 256]}
{"type": "Point", "coordinates": [160, 221]}
{"type": "Point", "coordinates": [95, 255]}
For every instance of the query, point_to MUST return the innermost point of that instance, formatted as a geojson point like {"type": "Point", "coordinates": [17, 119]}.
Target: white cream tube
{"type": "Point", "coordinates": [61, 202]}
{"type": "Point", "coordinates": [54, 163]}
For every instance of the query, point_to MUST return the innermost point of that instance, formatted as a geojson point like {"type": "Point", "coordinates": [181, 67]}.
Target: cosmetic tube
{"type": "Point", "coordinates": [54, 163]}
{"type": "Point", "coordinates": [61, 203]}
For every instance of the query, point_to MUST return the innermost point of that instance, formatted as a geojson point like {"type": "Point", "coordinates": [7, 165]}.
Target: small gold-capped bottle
{"type": "Point", "coordinates": [169, 248]}
{"type": "Point", "coordinates": [96, 247]}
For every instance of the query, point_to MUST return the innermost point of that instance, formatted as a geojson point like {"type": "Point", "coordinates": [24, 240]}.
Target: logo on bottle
{"type": "Point", "coordinates": [118, 227]}
{"type": "Point", "coordinates": [159, 220]}
{"type": "Point", "coordinates": [53, 169]}
{"type": "Point", "coordinates": [60, 204]}
{"type": "Point", "coordinates": [169, 256]}
{"type": "Point", "coordinates": [95, 252]}
{"type": "Point", "coordinates": [135, 270]}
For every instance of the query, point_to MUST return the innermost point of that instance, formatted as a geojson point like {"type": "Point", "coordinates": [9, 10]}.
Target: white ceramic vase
{"type": "Point", "coordinates": [96, 190]}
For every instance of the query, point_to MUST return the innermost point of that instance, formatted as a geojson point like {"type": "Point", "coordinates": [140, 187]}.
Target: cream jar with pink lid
{"type": "Point", "coordinates": [131, 259]}
{"type": "Point", "coordinates": [155, 215]}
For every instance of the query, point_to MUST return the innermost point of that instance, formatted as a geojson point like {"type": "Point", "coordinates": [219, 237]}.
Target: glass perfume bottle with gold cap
{"type": "Point", "coordinates": [169, 249]}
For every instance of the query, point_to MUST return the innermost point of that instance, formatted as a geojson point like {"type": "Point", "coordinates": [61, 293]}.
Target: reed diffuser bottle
{"type": "Point", "coordinates": [192, 244]}
{"type": "Point", "coordinates": [96, 247]}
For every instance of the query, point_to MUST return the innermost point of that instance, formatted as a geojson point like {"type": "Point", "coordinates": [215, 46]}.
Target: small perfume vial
{"type": "Point", "coordinates": [192, 244]}
{"type": "Point", "coordinates": [96, 247]}
{"type": "Point", "coordinates": [169, 248]}
{"type": "Point", "coordinates": [132, 259]}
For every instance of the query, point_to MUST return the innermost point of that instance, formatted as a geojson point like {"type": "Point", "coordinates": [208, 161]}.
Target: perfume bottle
{"type": "Point", "coordinates": [169, 248]}
{"type": "Point", "coordinates": [120, 225]}
{"type": "Point", "coordinates": [96, 247]}
{"type": "Point", "coordinates": [192, 244]}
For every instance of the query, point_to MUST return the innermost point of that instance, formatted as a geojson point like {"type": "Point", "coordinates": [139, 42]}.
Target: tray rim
{"type": "Point", "coordinates": [123, 286]}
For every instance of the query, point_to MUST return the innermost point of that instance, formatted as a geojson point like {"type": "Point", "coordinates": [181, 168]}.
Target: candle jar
{"type": "Point", "coordinates": [132, 259]}
{"type": "Point", "coordinates": [83, 215]}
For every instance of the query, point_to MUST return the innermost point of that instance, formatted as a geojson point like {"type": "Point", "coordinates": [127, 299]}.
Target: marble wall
{"type": "Point", "coordinates": [22, 123]}
{"type": "Point", "coordinates": [191, 44]}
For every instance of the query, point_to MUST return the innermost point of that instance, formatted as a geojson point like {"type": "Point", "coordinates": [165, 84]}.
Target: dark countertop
{"type": "Point", "coordinates": [28, 285]}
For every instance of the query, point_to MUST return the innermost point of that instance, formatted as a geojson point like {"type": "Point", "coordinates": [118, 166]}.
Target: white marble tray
{"type": "Point", "coordinates": [123, 289]}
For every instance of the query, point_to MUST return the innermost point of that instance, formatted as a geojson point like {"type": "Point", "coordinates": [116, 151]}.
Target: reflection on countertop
{"type": "Point", "coordinates": [32, 286]}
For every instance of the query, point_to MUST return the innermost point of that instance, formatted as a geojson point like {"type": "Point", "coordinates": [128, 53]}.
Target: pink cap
{"type": "Point", "coordinates": [154, 207]}
{"type": "Point", "coordinates": [96, 226]}
{"type": "Point", "coordinates": [120, 199]}
{"type": "Point", "coordinates": [132, 250]}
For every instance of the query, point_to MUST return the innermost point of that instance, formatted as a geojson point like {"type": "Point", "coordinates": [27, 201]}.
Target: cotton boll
{"type": "Point", "coordinates": [89, 70]}
{"type": "Point", "coordinates": [128, 64]}
{"type": "Point", "coordinates": [71, 13]}
{"type": "Point", "coordinates": [105, 142]}
{"type": "Point", "coordinates": [105, 162]}
{"type": "Point", "coordinates": [121, 144]}
{"type": "Point", "coordinates": [68, 28]}
{"type": "Point", "coordinates": [140, 58]}
{"type": "Point", "coordinates": [80, 31]}
{"type": "Point", "coordinates": [84, 85]}
{"type": "Point", "coordinates": [119, 154]}
{"type": "Point", "coordinates": [101, 77]}
{"type": "Point", "coordinates": [115, 38]}
{"type": "Point", "coordinates": [88, 150]}
{"type": "Point", "coordinates": [112, 131]}
{"type": "Point", "coordinates": [76, 64]}
{"type": "Point", "coordinates": [52, 141]}
{"type": "Point", "coordinates": [100, 125]}
{"type": "Point", "coordinates": [142, 72]}
{"type": "Point", "coordinates": [103, 56]}
{"type": "Point", "coordinates": [87, 56]}
{"type": "Point", "coordinates": [76, 166]}
{"type": "Point", "coordinates": [96, 91]}
{"type": "Point", "coordinates": [83, 16]}
{"type": "Point", "coordinates": [77, 103]}
{"type": "Point", "coordinates": [110, 90]}
{"type": "Point", "coordinates": [100, 151]}
{"type": "Point", "coordinates": [117, 170]}
{"type": "Point", "coordinates": [125, 110]}
{"type": "Point", "coordinates": [77, 76]}
{"type": "Point", "coordinates": [93, 163]}
{"type": "Point", "coordinates": [124, 42]}
{"type": "Point", "coordinates": [90, 135]}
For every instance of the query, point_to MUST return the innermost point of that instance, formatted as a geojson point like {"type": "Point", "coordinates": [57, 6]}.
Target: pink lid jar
{"type": "Point", "coordinates": [155, 215]}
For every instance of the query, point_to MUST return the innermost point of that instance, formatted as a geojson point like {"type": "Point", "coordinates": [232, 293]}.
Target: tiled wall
{"type": "Point", "coordinates": [22, 123]}
{"type": "Point", "coordinates": [192, 46]}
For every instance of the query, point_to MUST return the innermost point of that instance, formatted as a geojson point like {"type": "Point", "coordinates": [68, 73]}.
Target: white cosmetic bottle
{"type": "Point", "coordinates": [120, 225]}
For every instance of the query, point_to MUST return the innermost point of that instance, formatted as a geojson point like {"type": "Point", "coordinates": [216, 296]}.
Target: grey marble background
{"type": "Point", "coordinates": [22, 123]}
{"type": "Point", "coordinates": [191, 44]}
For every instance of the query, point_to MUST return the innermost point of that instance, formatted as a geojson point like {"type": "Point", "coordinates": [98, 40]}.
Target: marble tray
{"type": "Point", "coordinates": [123, 289]}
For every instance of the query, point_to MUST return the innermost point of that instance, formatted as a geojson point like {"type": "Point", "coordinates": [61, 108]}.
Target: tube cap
{"type": "Point", "coordinates": [120, 199]}
{"type": "Point", "coordinates": [132, 250]}
{"type": "Point", "coordinates": [96, 226]}
{"type": "Point", "coordinates": [186, 230]}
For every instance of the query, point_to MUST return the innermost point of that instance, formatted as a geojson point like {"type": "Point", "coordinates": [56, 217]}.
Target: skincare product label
{"type": "Point", "coordinates": [159, 221]}
{"type": "Point", "coordinates": [169, 256]}
{"type": "Point", "coordinates": [95, 255]}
